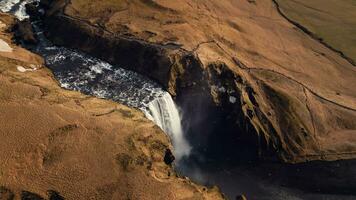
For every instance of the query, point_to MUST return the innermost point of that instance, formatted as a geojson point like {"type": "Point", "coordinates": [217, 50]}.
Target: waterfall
{"type": "Point", "coordinates": [93, 76]}
{"type": "Point", "coordinates": [163, 111]}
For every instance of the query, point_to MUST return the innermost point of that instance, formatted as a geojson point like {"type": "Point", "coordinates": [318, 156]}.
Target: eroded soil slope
{"type": "Point", "coordinates": [66, 145]}
{"type": "Point", "coordinates": [263, 74]}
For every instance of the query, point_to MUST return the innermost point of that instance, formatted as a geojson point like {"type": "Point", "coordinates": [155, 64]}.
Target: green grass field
{"type": "Point", "coordinates": [332, 20]}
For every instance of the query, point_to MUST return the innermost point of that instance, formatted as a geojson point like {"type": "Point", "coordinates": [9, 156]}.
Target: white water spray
{"type": "Point", "coordinates": [164, 113]}
{"type": "Point", "coordinates": [117, 84]}
{"type": "Point", "coordinates": [20, 11]}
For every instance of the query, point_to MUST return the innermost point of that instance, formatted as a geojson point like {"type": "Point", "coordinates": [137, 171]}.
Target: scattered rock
{"type": "Point", "coordinates": [168, 157]}
{"type": "Point", "coordinates": [53, 195]}
{"type": "Point", "coordinates": [6, 194]}
{"type": "Point", "coordinates": [24, 32]}
{"type": "Point", "coordinates": [87, 156]}
{"type": "Point", "coordinates": [255, 75]}
{"type": "Point", "coordinates": [25, 195]}
{"type": "Point", "coordinates": [32, 10]}
{"type": "Point", "coordinates": [241, 197]}
{"type": "Point", "coordinates": [4, 46]}
{"type": "Point", "coordinates": [232, 99]}
{"type": "Point", "coordinates": [23, 69]}
{"type": "Point", "coordinates": [125, 161]}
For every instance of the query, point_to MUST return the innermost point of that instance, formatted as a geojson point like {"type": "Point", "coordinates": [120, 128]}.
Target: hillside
{"type": "Point", "coordinates": [253, 73]}
{"type": "Point", "coordinates": [333, 21]}
{"type": "Point", "coordinates": [66, 145]}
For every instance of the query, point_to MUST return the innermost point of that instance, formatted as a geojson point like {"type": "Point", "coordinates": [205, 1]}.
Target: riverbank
{"type": "Point", "coordinates": [271, 97]}
{"type": "Point", "coordinates": [252, 86]}
{"type": "Point", "coordinates": [244, 99]}
{"type": "Point", "coordinates": [64, 144]}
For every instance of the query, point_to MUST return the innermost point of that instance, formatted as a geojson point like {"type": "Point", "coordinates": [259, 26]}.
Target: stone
{"type": "Point", "coordinates": [6, 194]}
{"type": "Point", "coordinates": [241, 197]}
{"type": "Point", "coordinates": [24, 32]}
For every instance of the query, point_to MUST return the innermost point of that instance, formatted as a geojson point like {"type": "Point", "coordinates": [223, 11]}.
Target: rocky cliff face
{"type": "Point", "coordinates": [237, 68]}
{"type": "Point", "coordinates": [66, 145]}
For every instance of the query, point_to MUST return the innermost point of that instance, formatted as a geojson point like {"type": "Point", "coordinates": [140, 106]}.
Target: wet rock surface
{"type": "Point", "coordinates": [53, 195]}
{"type": "Point", "coordinates": [263, 86]}
{"type": "Point", "coordinates": [252, 86]}
{"type": "Point", "coordinates": [26, 195]}
{"type": "Point", "coordinates": [23, 32]}
{"type": "Point", "coordinates": [234, 92]}
{"type": "Point", "coordinates": [69, 141]}
{"type": "Point", "coordinates": [168, 157]}
{"type": "Point", "coordinates": [6, 194]}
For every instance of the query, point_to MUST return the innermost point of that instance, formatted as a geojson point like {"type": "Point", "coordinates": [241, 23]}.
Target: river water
{"type": "Point", "coordinates": [258, 181]}
{"type": "Point", "coordinates": [78, 71]}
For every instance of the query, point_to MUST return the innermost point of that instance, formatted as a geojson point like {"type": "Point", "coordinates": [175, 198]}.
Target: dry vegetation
{"type": "Point", "coordinates": [60, 142]}
{"type": "Point", "coordinates": [256, 43]}
{"type": "Point", "coordinates": [333, 20]}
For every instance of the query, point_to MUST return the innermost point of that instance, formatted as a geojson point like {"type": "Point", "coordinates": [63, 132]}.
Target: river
{"type": "Point", "coordinates": [75, 70]}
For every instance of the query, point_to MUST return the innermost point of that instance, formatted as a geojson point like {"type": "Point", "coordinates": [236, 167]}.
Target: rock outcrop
{"type": "Point", "coordinates": [23, 32]}
{"type": "Point", "coordinates": [65, 145]}
{"type": "Point", "coordinates": [239, 68]}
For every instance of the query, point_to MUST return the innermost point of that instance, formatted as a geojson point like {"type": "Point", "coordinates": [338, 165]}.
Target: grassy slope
{"type": "Point", "coordinates": [80, 146]}
{"type": "Point", "coordinates": [255, 35]}
{"type": "Point", "coordinates": [332, 20]}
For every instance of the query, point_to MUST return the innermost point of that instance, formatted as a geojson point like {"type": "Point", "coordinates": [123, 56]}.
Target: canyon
{"type": "Point", "coordinates": [275, 93]}
{"type": "Point", "coordinates": [62, 144]}
{"type": "Point", "coordinates": [251, 100]}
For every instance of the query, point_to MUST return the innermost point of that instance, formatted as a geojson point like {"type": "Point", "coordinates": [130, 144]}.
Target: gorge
{"type": "Point", "coordinates": [81, 72]}
{"type": "Point", "coordinates": [237, 117]}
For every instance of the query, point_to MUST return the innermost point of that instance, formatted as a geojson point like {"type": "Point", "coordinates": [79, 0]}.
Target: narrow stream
{"type": "Point", "coordinates": [258, 181]}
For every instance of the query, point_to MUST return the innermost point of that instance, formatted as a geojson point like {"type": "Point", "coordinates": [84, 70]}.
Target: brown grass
{"type": "Point", "coordinates": [333, 20]}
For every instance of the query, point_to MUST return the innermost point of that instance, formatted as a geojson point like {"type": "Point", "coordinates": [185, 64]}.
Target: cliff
{"type": "Point", "coordinates": [65, 145]}
{"type": "Point", "coordinates": [253, 74]}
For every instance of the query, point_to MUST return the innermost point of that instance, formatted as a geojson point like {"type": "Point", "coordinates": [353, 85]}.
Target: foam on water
{"type": "Point", "coordinates": [7, 5]}
{"type": "Point", "coordinates": [77, 71]}
{"type": "Point", "coordinates": [15, 7]}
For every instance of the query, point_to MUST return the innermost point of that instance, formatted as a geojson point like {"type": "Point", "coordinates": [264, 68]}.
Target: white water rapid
{"type": "Point", "coordinates": [78, 71]}
{"type": "Point", "coordinates": [15, 7]}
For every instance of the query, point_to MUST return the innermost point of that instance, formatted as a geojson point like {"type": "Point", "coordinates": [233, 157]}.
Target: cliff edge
{"type": "Point", "coordinates": [240, 61]}
{"type": "Point", "coordinates": [65, 145]}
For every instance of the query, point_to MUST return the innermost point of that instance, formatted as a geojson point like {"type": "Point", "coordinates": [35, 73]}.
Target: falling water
{"type": "Point", "coordinates": [77, 71]}
{"type": "Point", "coordinates": [89, 75]}
{"type": "Point", "coordinates": [164, 112]}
